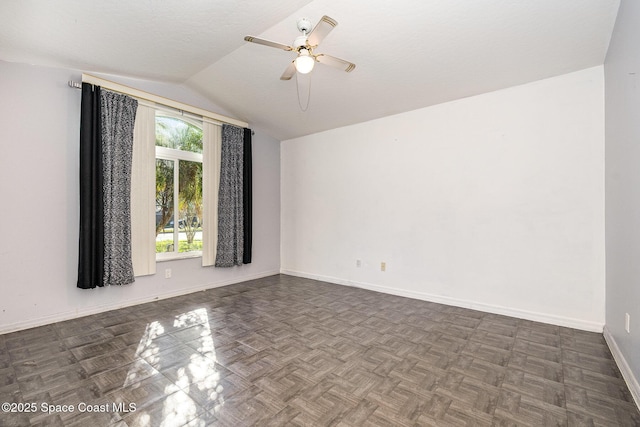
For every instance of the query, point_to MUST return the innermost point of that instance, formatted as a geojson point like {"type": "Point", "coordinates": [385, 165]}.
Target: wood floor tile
{"type": "Point", "coordinates": [537, 387]}
{"type": "Point", "coordinates": [605, 384]}
{"type": "Point", "coordinates": [286, 382]}
{"type": "Point", "coordinates": [250, 406]}
{"type": "Point", "coordinates": [175, 356]}
{"type": "Point", "coordinates": [142, 394]}
{"type": "Point", "coordinates": [123, 376]}
{"type": "Point", "coordinates": [479, 369]}
{"type": "Point", "coordinates": [517, 409]}
{"type": "Point", "coordinates": [37, 352]}
{"type": "Point", "coordinates": [108, 361]}
{"type": "Point", "coordinates": [97, 349]}
{"type": "Point", "coordinates": [89, 338]}
{"type": "Point", "coordinates": [538, 367]}
{"type": "Point", "coordinates": [499, 327]}
{"type": "Point", "coordinates": [14, 419]}
{"type": "Point", "coordinates": [7, 377]}
{"type": "Point", "coordinates": [176, 409]}
{"type": "Point", "coordinates": [487, 353]}
{"type": "Point", "coordinates": [53, 381]}
{"type": "Point", "coordinates": [540, 336]}
{"type": "Point", "coordinates": [214, 391]}
{"type": "Point", "coordinates": [541, 351]}
{"type": "Point", "coordinates": [477, 395]}
{"type": "Point", "coordinates": [601, 365]}
{"type": "Point", "coordinates": [42, 337]}
{"type": "Point", "coordinates": [5, 359]}
{"type": "Point", "coordinates": [492, 339]}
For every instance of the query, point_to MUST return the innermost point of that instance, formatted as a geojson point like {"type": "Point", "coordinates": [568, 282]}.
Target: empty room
{"type": "Point", "coordinates": [319, 213]}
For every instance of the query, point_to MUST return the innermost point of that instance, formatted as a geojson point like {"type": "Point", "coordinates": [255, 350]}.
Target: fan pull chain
{"type": "Point", "coordinates": [304, 110]}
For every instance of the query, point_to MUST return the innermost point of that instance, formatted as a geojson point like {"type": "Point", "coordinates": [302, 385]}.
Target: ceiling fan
{"type": "Point", "coordinates": [304, 46]}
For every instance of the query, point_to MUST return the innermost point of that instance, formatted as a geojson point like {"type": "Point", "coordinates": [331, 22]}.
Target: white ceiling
{"type": "Point", "coordinates": [409, 53]}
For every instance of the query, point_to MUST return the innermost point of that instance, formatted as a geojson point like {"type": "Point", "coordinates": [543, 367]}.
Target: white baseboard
{"type": "Point", "coordinates": [457, 302]}
{"type": "Point", "coordinates": [60, 317]}
{"type": "Point", "coordinates": [625, 369]}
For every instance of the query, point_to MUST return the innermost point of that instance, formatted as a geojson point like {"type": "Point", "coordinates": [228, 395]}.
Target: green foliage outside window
{"type": "Point", "coordinates": [181, 135]}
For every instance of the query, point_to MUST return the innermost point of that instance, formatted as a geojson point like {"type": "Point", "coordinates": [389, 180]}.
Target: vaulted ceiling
{"type": "Point", "coordinates": [408, 53]}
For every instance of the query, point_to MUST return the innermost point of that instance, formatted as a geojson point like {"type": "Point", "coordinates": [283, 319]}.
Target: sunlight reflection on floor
{"type": "Point", "coordinates": [198, 371]}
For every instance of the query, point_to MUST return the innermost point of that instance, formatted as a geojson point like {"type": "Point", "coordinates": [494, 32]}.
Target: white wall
{"type": "Point", "coordinates": [622, 77]}
{"type": "Point", "coordinates": [494, 202]}
{"type": "Point", "coordinates": [39, 130]}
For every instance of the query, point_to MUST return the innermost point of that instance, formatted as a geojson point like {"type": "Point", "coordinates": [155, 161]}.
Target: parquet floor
{"type": "Point", "coordinates": [289, 351]}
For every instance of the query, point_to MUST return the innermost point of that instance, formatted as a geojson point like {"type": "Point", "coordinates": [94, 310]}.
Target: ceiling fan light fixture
{"type": "Point", "coordinates": [304, 62]}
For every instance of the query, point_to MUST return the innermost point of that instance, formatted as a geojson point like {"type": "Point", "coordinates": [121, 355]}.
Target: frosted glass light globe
{"type": "Point", "coordinates": [304, 62]}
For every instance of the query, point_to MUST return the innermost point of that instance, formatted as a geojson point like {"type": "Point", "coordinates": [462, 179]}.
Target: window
{"type": "Point", "coordinates": [179, 213]}
{"type": "Point", "coordinates": [191, 171]}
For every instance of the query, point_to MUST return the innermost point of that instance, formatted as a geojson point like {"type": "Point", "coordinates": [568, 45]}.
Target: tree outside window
{"type": "Point", "coordinates": [178, 178]}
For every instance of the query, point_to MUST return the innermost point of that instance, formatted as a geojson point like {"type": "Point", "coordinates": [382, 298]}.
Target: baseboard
{"type": "Point", "coordinates": [457, 302]}
{"type": "Point", "coordinates": [60, 317]}
{"type": "Point", "coordinates": [625, 369]}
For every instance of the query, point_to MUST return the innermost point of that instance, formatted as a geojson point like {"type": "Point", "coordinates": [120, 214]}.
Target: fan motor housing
{"type": "Point", "coordinates": [304, 25]}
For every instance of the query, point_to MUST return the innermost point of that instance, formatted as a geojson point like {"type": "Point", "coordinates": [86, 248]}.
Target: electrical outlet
{"type": "Point", "coordinates": [383, 266]}
{"type": "Point", "coordinates": [167, 273]}
{"type": "Point", "coordinates": [627, 323]}
{"type": "Point", "coordinates": [358, 263]}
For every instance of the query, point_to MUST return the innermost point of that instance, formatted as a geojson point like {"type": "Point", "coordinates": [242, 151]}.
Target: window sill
{"type": "Point", "coordinates": [175, 257]}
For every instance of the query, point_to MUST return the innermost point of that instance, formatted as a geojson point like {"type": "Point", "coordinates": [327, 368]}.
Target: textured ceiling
{"type": "Point", "coordinates": [409, 53]}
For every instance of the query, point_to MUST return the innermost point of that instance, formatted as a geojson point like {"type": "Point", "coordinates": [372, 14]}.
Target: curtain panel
{"type": "Point", "coordinates": [211, 149]}
{"type": "Point", "coordinates": [234, 198]}
{"type": "Point", "coordinates": [106, 151]}
{"type": "Point", "coordinates": [91, 241]}
{"type": "Point", "coordinates": [118, 118]}
{"type": "Point", "coordinates": [230, 248]}
{"type": "Point", "coordinates": [143, 192]}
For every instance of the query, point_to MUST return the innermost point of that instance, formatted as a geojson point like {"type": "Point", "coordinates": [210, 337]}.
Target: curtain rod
{"type": "Point", "coordinates": [107, 84]}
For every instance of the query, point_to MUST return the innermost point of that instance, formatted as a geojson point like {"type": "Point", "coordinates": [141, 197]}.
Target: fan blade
{"type": "Point", "coordinates": [332, 61]}
{"type": "Point", "coordinates": [289, 72]}
{"type": "Point", "coordinates": [268, 43]}
{"type": "Point", "coordinates": [321, 30]}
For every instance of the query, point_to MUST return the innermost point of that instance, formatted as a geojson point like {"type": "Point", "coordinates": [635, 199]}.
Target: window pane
{"type": "Point", "coordinates": [178, 185]}
{"type": "Point", "coordinates": [164, 205]}
{"type": "Point", "coordinates": [176, 133]}
{"type": "Point", "coordinates": [190, 206]}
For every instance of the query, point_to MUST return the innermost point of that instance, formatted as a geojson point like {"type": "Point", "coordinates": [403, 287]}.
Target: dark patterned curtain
{"type": "Point", "coordinates": [106, 151]}
{"type": "Point", "coordinates": [230, 249]}
{"type": "Point", "coordinates": [118, 118]}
